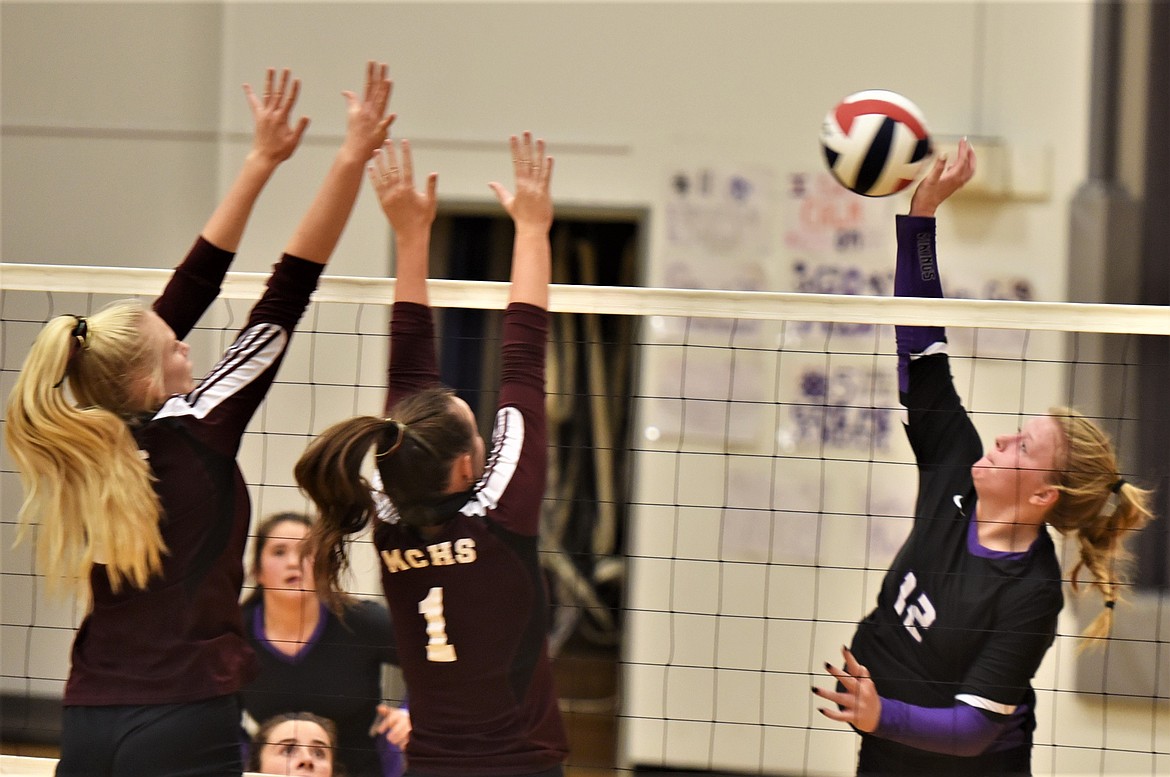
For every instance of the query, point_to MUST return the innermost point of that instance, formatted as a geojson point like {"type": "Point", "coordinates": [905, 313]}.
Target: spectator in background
{"type": "Point", "coordinates": [315, 661]}
{"type": "Point", "coordinates": [297, 744]}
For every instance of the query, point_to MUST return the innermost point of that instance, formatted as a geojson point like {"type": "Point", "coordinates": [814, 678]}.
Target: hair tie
{"type": "Point", "coordinates": [78, 340]}
{"type": "Point", "coordinates": [401, 427]}
{"type": "Point", "coordinates": [80, 332]}
{"type": "Point", "coordinates": [1116, 487]}
{"type": "Point", "coordinates": [1110, 603]}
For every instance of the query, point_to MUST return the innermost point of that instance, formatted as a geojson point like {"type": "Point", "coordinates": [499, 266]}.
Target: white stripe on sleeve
{"type": "Point", "coordinates": [985, 704]}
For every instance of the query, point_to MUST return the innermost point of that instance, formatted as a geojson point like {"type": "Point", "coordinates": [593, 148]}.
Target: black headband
{"type": "Point", "coordinates": [79, 339]}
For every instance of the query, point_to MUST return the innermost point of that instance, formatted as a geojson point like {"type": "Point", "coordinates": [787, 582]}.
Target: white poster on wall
{"type": "Point", "coordinates": [836, 394]}
{"type": "Point", "coordinates": [719, 234]}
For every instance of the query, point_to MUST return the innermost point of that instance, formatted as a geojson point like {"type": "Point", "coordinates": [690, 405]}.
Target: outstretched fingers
{"type": "Point", "coordinates": [391, 171]}
{"type": "Point", "coordinates": [528, 158]}
{"type": "Point", "coordinates": [293, 93]}
{"type": "Point", "coordinates": [530, 202]}
{"type": "Point", "coordinates": [857, 702]}
{"type": "Point", "coordinates": [964, 165]}
{"type": "Point", "coordinates": [379, 87]}
{"type": "Point", "coordinates": [273, 136]}
{"type": "Point", "coordinates": [368, 123]}
{"type": "Point", "coordinates": [384, 168]}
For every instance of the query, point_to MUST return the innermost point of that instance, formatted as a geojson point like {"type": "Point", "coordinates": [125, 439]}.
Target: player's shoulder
{"type": "Point", "coordinates": [365, 615]}
{"type": "Point", "coordinates": [1041, 584]}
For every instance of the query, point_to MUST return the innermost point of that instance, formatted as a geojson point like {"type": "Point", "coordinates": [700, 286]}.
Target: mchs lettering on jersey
{"type": "Point", "coordinates": [441, 554]}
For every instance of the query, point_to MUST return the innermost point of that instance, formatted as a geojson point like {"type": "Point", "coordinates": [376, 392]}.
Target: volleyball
{"type": "Point", "coordinates": [875, 142]}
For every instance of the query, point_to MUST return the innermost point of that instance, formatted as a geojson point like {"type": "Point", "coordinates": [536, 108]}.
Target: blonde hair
{"type": "Point", "coordinates": [87, 488]}
{"type": "Point", "coordinates": [1097, 506]}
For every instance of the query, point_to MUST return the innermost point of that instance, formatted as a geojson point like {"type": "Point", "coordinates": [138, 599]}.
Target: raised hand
{"type": "Point", "coordinates": [859, 704]}
{"type": "Point", "coordinates": [409, 212]}
{"type": "Point", "coordinates": [944, 179]}
{"type": "Point", "coordinates": [367, 122]}
{"type": "Point", "coordinates": [531, 205]}
{"type": "Point", "coordinates": [273, 138]}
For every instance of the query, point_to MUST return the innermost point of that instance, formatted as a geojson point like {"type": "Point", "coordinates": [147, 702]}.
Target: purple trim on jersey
{"type": "Point", "coordinates": [915, 275]}
{"type": "Point", "coordinates": [261, 635]}
{"type": "Point", "coordinates": [976, 549]}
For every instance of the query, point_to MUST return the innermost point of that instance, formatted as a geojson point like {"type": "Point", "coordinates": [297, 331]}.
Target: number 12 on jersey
{"type": "Point", "coordinates": [431, 608]}
{"type": "Point", "coordinates": [917, 613]}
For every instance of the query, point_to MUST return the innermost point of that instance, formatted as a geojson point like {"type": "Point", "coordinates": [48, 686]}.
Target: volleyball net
{"type": "Point", "coordinates": [728, 484]}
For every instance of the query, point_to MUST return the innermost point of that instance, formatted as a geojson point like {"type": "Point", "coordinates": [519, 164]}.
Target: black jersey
{"type": "Point", "coordinates": [336, 674]}
{"type": "Point", "coordinates": [469, 607]}
{"type": "Point", "coordinates": [180, 639]}
{"type": "Point", "coordinates": [956, 623]}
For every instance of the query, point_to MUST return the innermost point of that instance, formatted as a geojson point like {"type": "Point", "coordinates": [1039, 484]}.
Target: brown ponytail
{"type": "Point", "coordinates": [415, 450]}
{"type": "Point", "coordinates": [329, 472]}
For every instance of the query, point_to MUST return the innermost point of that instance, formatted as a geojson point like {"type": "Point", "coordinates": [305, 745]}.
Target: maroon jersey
{"type": "Point", "coordinates": [181, 639]}
{"type": "Point", "coordinates": [469, 606]}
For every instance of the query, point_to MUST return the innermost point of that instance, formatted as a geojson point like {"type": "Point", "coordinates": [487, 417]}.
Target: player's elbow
{"type": "Point", "coordinates": [973, 746]}
{"type": "Point", "coordinates": [979, 739]}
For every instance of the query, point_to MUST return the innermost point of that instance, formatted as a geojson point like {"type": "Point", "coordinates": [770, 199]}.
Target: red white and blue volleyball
{"type": "Point", "coordinates": [876, 142]}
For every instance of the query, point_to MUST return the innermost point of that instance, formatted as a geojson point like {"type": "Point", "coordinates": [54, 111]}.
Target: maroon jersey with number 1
{"type": "Point", "coordinates": [469, 606]}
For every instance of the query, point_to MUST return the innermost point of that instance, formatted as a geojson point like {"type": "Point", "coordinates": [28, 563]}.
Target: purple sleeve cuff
{"type": "Point", "coordinates": [959, 730]}
{"type": "Point", "coordinates": [389, 757]}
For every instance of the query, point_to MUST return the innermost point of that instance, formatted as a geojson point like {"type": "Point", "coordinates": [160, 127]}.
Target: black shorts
{"type": "Point", "coordinates": [196, 739]}
{"type": "Point", "coordinates": [882, 758]}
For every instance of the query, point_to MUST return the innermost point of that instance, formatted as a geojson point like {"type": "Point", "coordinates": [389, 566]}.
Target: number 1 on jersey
{"type": "Point", "coordinates": [431, 608]}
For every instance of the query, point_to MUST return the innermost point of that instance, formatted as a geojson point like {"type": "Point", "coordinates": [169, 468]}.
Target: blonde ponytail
{"type": "Point", "coordinates": [1099, 508]}
{"type": "Point", "coordinates": [87, 488]}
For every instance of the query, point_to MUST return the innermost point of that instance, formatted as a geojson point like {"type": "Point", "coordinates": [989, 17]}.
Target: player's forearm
{"type": "Point", "coordinates": [411, 257]}
{"type": "Point", "coordinates": [321, 227]}
{"type": "Point", "coordinates": [225, 227]}
{"type": "Point", "coordinates": [916, 275]}
{"type": "Point", "coordinates": [960, 730]}
{"type": "Point", "coordinates": [531, 266]}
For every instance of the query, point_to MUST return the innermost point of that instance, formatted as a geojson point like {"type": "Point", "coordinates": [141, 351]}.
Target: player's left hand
{"type": "Point", "coordinates": [394, 724]}
{"type": "Point", "coordinates": [531, 206]}
{"type": "Point", "coordinates": [858, 704]}
{"type": "Point", "coordinates": [367, 123]}
{"type": "Point", "coordinates": [274, 137]}
{"type": "Point", "coordinates": [409, 212]}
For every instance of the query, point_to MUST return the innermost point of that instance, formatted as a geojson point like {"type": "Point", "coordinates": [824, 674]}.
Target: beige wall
{"type": "Point", "coordinates": [122, 123]}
